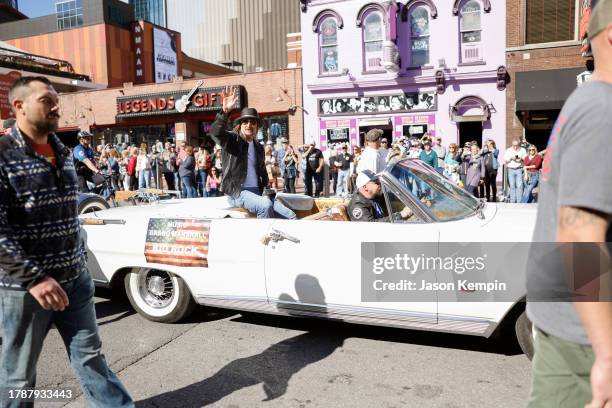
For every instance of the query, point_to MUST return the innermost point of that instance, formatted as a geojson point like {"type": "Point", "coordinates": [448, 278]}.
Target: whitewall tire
{"type": "Point", "coordinates": [158, 295]}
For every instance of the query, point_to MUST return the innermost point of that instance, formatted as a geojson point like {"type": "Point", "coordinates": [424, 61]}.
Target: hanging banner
{"type": "Point", "coordinates": [165, 58]}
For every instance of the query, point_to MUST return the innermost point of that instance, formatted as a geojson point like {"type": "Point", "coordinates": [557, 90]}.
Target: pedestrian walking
{"type": "Point", "coordinates": [43, 267]}
{"type": "Point", "coordinates": [572, 365]}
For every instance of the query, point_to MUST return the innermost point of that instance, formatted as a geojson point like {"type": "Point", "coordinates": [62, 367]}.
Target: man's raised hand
{"type": "Point", "coordinates": [230, 99]}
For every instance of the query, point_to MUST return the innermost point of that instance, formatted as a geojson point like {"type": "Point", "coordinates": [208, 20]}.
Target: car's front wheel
{"type": "Point", "coordinates": [524, 334]}
{"type": "Point", "coordinates": [158, 295]}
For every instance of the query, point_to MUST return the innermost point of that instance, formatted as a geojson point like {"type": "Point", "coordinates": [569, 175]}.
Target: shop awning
{"type": "Point", "coordinates": [545, 90]}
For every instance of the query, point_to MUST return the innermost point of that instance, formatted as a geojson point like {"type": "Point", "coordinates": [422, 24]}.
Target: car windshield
{"type": "Point", "coordinates": [445, 200]}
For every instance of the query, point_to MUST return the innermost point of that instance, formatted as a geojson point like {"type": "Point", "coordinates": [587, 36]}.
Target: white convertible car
{"type": "Point", "coordinates": [174, 254]}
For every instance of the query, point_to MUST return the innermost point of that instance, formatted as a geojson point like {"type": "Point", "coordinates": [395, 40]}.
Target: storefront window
{"type": "Point", "coordinates": [274, 128]}
{"type": "Point", "coordinates": [419, 33]}
{"type": "Point", "coordinates": [417, 130]}
{"type": "Point", "coordinates": [137, 135]}
{"type": "Point", "coordinates": [373, 35]}
{"type": "Point", "coordinates": [337, 135]}
{"type": "Point", "coordinates": [328, 43]}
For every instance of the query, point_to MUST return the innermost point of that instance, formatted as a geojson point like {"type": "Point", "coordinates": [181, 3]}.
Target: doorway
{"type": "Point", "coordinates": [470, 131]}
{"type": "Point", "coordinates": [387, 133]}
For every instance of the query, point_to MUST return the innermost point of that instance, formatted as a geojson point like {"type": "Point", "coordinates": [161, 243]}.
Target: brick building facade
{"type": "Point", "coordinates": [134, 114]}
{"type": "Point", "coordinates": [543, 59]}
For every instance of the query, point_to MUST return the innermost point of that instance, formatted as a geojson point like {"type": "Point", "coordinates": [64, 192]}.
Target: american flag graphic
{"type": "Point", "coordinates": [178, 242]}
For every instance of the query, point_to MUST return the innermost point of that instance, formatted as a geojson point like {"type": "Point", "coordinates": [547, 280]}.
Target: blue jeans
{"type": "Point", "coordinates": [251, 200]}
{"type": "Point", "coordinates": [534, 178]}
{"type": "Point", "coordinates": [189, 186]}
{"type": "Point", "coordinates": [203, 177]}
{"type": "Point", "coordinates": [341, 187]}
{"type": "Point", "coordinates": [144, 179]}
{"type": "Point", "coordinates": [25, 325]}
{"type": "Point", "coordinates": [178, 185]}
{"type": "Point", "coordinates": [515, 181]}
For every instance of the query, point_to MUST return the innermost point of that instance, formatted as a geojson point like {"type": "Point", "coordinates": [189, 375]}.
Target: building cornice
{"type": "Point", "coordinates": [401, 81]}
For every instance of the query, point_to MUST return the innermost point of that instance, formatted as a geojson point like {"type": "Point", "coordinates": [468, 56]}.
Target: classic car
{"type": "Point", "coordinates": [175, 254]}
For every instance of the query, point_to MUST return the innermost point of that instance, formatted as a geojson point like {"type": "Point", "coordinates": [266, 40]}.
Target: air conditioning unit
{"type": "Point", "coordinates": [259, 69]}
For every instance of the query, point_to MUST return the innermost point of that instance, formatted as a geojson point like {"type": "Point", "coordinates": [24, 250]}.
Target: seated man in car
{"type": "Point", "coordinates": [369, 204]}
{"type": "Point", "coordinates": [244, 171]}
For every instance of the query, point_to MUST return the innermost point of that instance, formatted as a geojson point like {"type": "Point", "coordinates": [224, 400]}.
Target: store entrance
{"type": "Point", "coordinates": [538, 137]}
{"type": "Point", "coordinates": [387, 133]}
{"type": "Point", "coordinates": [470, 131]}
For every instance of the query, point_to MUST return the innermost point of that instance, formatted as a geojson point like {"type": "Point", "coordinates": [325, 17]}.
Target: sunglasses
{"type": "Point", "coordinates": [532, 150]}
{"type": "Point", "coordinates": [249, 122]}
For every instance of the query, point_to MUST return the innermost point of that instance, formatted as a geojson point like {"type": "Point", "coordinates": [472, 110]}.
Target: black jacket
{"type": "Point", "coordinates": [363, 209]}
{"type": "Point", "coordinates": [235, 158]}
{"type": "Point", "coordinates": [39, 228]}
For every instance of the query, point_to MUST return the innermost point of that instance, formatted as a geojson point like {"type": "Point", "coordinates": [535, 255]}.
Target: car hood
{"type": "Point", "coordinates": [513, 220]}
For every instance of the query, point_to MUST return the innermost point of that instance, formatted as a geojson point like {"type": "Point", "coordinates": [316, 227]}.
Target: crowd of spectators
{"type": "Point", "coordinates": [198, 171]}
{"type": "Point", "coordinates": [191, 171]}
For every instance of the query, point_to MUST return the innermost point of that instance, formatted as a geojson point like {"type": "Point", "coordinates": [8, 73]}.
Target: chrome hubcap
{"type": "Point", "coordinates": [155, 287]}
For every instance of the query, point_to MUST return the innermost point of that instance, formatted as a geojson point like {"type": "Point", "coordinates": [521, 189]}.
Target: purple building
{"type": "Point", "coordinates": [406, 67]}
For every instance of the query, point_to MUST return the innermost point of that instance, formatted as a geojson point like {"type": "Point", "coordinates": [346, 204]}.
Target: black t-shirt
{"type": "Point", "coordinates": [313, 159]}
{"type": "Point", "coordinates": [345, 160]}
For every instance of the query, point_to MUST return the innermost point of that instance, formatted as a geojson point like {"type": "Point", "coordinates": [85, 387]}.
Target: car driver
{"type": "Point", "coordinates": [369, 204]}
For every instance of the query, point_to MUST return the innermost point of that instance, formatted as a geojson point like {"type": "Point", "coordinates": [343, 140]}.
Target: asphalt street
{"type": "Point", "coordinates": [227, 359]}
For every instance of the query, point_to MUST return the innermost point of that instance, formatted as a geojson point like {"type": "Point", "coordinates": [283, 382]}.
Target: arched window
{"type": "Point", "coordinates": [328, 46]}
{"type": "Point", "coordinates": [470, 27]}
{"type": "Point", "coordinates": [373, 36]}
{"type": "Point", "coordinates": [419, 36]}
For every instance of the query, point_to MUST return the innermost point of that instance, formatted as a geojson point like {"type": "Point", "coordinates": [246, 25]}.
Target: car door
{"type": "Point", "coordinates": [235, 261]}
{"type": "Point", "coordinates": [317, 265]}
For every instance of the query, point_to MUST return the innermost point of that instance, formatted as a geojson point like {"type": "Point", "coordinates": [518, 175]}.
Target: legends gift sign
{"type": "Point", "coordinates": [164, 103]}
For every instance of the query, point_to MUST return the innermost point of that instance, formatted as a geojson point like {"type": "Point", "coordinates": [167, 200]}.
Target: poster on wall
{"type": "Point", "coordinates": [165, 59]}
{"type": "Point", "coordinates": [406, 102]}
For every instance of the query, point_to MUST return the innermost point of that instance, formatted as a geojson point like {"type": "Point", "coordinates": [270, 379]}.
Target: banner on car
{"type": "Point", "coordinates": [178, 242]}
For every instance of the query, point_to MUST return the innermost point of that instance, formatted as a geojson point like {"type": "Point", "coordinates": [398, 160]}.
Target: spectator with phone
{"type": "Point", "coordinates": [513, 159]}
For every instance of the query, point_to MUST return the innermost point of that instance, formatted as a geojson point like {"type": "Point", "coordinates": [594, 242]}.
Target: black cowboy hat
{"type": "Point", "coordinates": [249, 113]}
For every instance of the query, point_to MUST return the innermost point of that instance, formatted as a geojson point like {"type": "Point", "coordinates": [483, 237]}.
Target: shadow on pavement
{"type": "Point", "coordinates": [273, 368]}
{"type": "Point", "coordinates": [507, 347]}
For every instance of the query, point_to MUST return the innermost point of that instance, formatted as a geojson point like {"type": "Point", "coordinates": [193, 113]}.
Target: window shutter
{"type": "Point", "coordinates": [550, 21]}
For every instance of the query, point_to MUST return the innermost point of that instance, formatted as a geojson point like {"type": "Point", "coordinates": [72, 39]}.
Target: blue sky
{"type": "Point", "coordinates": [36, 8]}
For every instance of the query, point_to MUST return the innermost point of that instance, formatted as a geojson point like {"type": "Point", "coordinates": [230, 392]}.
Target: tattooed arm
{"type": "Point", "coordinates": [582, 225]}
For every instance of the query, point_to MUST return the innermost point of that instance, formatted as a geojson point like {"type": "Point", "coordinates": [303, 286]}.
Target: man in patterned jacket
{"type": "Point", "coordinates": [43, 274]}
